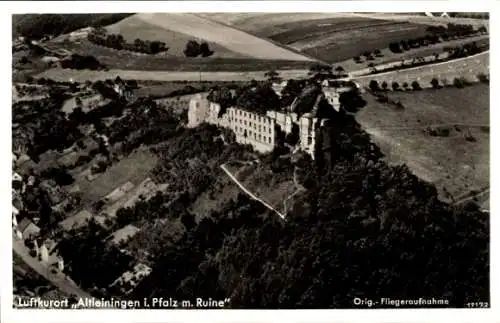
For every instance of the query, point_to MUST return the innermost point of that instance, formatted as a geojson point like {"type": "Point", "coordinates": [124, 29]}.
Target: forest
{"type": "Point", "coordinates": [36, 26]}
{"type": "Point", "coordinates": [362, 228]}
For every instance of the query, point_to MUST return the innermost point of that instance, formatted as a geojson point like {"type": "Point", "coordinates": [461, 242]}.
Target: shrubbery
{"type": "Point", "coordinates": [79, 62]}
{"type": "Point", "coordinates": [117, 42]}
{"type": "Point", "coordinates": [195, 49]}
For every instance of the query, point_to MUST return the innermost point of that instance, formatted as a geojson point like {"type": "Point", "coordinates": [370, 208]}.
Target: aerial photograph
{"type": "Point", "coordinates": [329, 160]}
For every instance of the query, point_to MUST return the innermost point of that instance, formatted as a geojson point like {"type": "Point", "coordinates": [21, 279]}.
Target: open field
{"type": "Point", "coordinates": [133, 168]}
{"type": "Point", "coordinates": [58, 74]}
{"type": "Point", "coordinates": [265, 24]}
{"type": "Point", "coordinates": [467, 67]}
{"type": "Point", "coordinates": [115, 59]}
{"type": "Point", "coordinates": [448, 161]}
{"type": "Point", "coordinates": [211, 31]}
{"type": "Point", "coordinates": [348, 42]}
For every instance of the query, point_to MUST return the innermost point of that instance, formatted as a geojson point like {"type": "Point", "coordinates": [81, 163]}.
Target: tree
{"type": "Point", "coordinates": [192, 49]}
{"type": "Point", "coordinates": [385, 86]}
{"type": "Point", "coordinates": [415, 86]}
{"type": "Point", "coordinates": [435, 83]}
{"type": "Point", "coordinates": [405, 86]}
{"type": "Point", "coordinates": [483, 78]}
{"type": "Point", "coordinates": [205, 50]}
{"type": "Point", "coordinates": [395, 47]}
{"type": "Point", "coordinates": [374, 87]}
{"type": "Point", "coordinates": [404, 45]}
{"type": "Point", "coordinates": [395, 86]}
{"type": "Point", "coordinates": [458, 83]}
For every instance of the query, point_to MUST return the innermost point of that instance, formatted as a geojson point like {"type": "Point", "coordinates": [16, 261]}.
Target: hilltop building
{"type": "Point", "coordinates": [261, 131]}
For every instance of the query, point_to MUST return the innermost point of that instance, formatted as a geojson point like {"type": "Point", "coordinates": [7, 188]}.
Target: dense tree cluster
{"type": "Point", "coordinates": [90, 260]}
{"type": "Point", "coordinates": [37, 26]}
{"type": "Point", "coordinates": [116, 41]}
{"type": "Point", "coordinates": [259, 98]}
{"type": "Point", "coordinates": [145, 123]}
{"type": "Point", "coordinates": [81, 62]}
{"type": "Point", "coordinates": [363, 229]}
{"type": "Point", "coordinates": [195, 49]}
{"type": "Point", "coordinates": [45, 124]}
{"type": "Point", "coordinates": [59, 174]}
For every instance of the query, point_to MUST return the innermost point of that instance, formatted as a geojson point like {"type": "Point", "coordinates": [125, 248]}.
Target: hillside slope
{"type": "Point", "coordinates": [211, 31]}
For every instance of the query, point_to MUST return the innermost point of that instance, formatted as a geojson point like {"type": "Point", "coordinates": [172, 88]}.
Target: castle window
{"type": "Point", "coordinates": [245, 122]}
{"type": "Point", "coordinates": [260, 128]}
{"type": "Point", "coordinates": [269, 129]}
{"type": "Point", "coordinates": [260, 137]}
{"type": "Point", "coordinates": [255, 135]}
{"type": "Point", "coordinates": [264, 138]}
{"type": "Point", "coordinates": [269, 139]}
{"type": "Point", "coordinates": [309, 140]}
{"type": "Point", "coordinates": [250, 123]}
{"type": "Point", "coordinates": [250, 133]}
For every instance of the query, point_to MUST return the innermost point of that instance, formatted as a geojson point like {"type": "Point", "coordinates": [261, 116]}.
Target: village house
{"type": "Point", "coordinates": [28, 229]}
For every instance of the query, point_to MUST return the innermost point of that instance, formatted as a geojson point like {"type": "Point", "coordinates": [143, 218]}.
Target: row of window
{"type": "Point", "coordinates": [256, 136]}
{"type": "Point", "coordinates": [252, 116]}
{"type": "Point", "coordinates": [252, 124]}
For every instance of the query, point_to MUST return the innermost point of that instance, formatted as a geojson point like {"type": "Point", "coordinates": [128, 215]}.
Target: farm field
{"type": "Point", "coordinates": [388, 56]}
{"type": "Point", "coordinates": [467, 67]}
{"type": "Point", "coordinates": [265, 24]}
{"type": "Point", "coordinates": [422, 19]}
{"type": "Point", "coordinates": [332, 37]}
{"type": "Point", "coordinates": [349, 41]}
{"type": "Point", "coordinates": [114, 59]}
{"type": "Point", "coordinates": [234, 40]}
{"type": "Point", "coordinates": [58, 74]}
{"type": "Point", "coordinates": [450, 161]}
